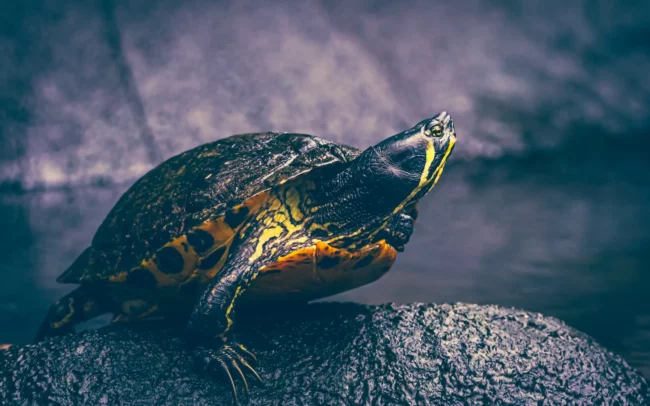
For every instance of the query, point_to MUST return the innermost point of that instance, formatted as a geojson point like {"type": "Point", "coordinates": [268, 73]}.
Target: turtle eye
{"type": "Point", "coordinates": [433, 129]}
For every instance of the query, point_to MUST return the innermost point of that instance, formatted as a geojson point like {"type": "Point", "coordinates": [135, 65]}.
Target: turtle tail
{"type": "Point", "coordinates": [83, 303]}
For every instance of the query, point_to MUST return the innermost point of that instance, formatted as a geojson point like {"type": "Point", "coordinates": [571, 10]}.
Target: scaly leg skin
{"type": "Point", "coordinates": [398, 231]}
{"type": "Point", "coordinates": [209, 326]}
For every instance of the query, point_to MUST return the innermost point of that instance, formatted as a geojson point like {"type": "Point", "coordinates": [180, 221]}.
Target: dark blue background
{"type": "Point", "coordinates": [544, 206]}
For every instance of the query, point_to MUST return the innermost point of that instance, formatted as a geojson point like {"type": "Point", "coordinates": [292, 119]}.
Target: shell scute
{"type": "Point", "coordinates": [175, 220]}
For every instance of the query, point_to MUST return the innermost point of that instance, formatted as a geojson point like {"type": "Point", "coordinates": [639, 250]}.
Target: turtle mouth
{"type": "Point", "coordinates": [441, 139]}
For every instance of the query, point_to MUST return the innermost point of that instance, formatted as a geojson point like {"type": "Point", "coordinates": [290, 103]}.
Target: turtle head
{"type": "Point", "coordinates": [407, 165]}
{"type": "Point", "coordinates": [382, 181]}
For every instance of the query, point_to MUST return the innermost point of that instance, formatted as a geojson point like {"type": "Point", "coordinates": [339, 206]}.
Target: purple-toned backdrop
{"type": "Point", "coordinates": [544, 206]}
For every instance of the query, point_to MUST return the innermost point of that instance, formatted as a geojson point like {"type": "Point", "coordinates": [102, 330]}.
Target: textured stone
{"type": "Point", "coordinates": [338, 354]}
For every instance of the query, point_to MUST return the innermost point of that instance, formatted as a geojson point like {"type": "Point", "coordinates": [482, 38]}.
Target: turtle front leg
{"type": "Point", "coordinates": [208, 329]}
{"type": "Point", "coordinates": [399, 229]}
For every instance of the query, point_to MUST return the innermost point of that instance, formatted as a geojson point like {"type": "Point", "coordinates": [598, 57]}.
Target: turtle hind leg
{"type": "Point", "coordinates": [83, 303]}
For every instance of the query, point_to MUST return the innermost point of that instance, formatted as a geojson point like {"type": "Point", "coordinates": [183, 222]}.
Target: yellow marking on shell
{"type": "Point", "coordinates": [162, 279]}
{"type": "Point", "coordinates": [204, 275]}
{"type": "Point", "coordinates": [221, 233]}
{"type": "Point", "coordinates": [190, 256]}
{"type": "Point", "coordinates": [219, 230]}
{"type": "Point", "coordinates": [212, 272]}
{"type": "Point", "coordinates": [190, 262]}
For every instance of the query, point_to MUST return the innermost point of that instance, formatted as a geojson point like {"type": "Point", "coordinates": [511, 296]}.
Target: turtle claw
{"type": "Point", "coordinates": [228, 360]}
{"type": "Point", "coordinates": [233, 363]}
{"type": "Point", "coordinates": [248, 366]}
{"type": "Point", "coordinates": [224, 367]}
{"type": "Point", "coordinates": [245, 350]}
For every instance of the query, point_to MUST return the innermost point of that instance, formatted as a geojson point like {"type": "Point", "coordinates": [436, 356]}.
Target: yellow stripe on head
{"type": "Point", "coordinates": [438, 172]}
{"type": "Point", "coordinates": [424, 180]}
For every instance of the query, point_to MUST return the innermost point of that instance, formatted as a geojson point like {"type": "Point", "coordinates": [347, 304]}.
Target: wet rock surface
{"type": "Point", "coordinates": [339, 354]}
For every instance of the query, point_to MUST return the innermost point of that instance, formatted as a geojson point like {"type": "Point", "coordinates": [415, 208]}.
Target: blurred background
{"type": "Point", "coordinates": [545, 204]}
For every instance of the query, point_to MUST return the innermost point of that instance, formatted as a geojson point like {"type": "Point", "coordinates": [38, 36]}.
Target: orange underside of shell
{"type": "Point", "coordinates": [319, 271]}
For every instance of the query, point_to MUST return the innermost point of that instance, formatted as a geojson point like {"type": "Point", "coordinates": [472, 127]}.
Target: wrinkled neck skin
{"type": "Point", "coordinates": [354, 204]}
{"type": "Point", "coordinates": [345, 207]}
{"type": "Point", "coordinates": [348, 206]}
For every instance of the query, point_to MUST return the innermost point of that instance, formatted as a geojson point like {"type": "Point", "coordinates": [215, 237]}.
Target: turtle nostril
{"type": "Point", "coordinates": [449, 124]}
{"type": "Point", "coordinates": [442, 117]}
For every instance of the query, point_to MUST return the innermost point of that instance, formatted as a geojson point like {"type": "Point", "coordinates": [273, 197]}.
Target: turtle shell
{"type": "Point", "coordinates": [181, 215]}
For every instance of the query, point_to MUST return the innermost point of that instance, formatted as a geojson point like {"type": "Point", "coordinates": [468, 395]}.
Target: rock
{"type": "Point", "coordinates": [336, 354]}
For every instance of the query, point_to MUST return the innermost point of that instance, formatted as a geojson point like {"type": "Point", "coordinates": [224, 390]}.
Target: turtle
{"type": "Point", "coordinates": [251, 218]}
